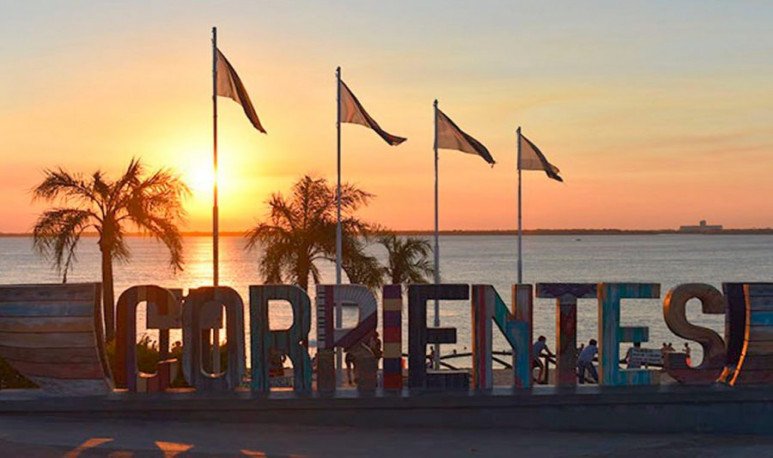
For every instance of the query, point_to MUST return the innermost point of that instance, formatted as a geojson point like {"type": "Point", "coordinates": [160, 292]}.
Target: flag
{"type": "Point", "coordinates": [351, 111]}
{"type": "Point", "coordinates": [533, 159]}
{"type": "Point", "coordinates": [230, 85]}
{"type": "Point", "coordinates": [450, 136]}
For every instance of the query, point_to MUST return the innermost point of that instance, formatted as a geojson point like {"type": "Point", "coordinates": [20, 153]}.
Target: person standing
{"type": "Point", "coordinates": [687, 352]}
{"type": "Point", "coordinates": [585, 362]}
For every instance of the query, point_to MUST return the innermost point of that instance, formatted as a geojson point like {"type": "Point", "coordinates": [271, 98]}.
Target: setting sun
{"type": "Point", "coordinates": [199, 178]}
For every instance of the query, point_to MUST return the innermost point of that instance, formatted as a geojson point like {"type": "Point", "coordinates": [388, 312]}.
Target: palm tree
{"type": "Point", "coordinates": [151, 203]}
{"type": "Point", "coordinates": [301, 230]}
{"type": "Point", "coordinates": [407, 259]}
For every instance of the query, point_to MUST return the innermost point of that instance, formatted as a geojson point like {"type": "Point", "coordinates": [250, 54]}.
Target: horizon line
{"type": "Point", "coordinates": [540, 231]}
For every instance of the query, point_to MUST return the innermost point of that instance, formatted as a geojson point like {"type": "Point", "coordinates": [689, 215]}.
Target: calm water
{"type": "Point", "coordinates": [665, 259]}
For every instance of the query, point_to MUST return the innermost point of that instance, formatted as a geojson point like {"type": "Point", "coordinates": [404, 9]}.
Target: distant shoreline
{"type": "Point", "coordinates": [508, 232]}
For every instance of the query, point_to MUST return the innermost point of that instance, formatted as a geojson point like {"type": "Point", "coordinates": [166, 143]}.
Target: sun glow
{"type": "Point", "coordinates": [199, 178]}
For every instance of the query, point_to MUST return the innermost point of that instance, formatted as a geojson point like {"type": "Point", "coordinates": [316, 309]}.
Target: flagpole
{"type": "Point", "coordinates": [520, 224]}
{"type": "Point", "coordinates": [215, 229]}
{"type": "Point", "coordinates": [436, 320]}
{"type": "Point", "coordinates": [215, 213]}
{"type": "Point", "coordinates": [339, 232]}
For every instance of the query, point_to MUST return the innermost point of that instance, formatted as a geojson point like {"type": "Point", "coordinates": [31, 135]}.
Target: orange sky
{"type": "Point", "coordinates": [652, 127]}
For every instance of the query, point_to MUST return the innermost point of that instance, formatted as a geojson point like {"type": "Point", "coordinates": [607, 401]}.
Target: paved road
{"type": "Point", "coordinates": [44, 437]}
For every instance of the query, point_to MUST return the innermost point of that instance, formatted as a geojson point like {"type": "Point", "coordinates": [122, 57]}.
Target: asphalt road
{"type": "Point", "coordinates": [40, 436]}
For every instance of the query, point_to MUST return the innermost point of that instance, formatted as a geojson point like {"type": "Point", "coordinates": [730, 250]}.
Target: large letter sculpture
{"type": "Point", "coordinates": [755, 362]}
{"type": "Point", "coordinates": [488, 307]}
{"type": "Point", "coordinates": [393, 336]}
{"type": "Point", "coordinates": [566, 295]}
{"type": "Point", "coordinates": [674, 313]}
{"type": "Point", "coordinates": [329, 337]}
{"type": "Point", "coordinates": [163, 312]}
{"type": "Point", "coordinates": [611, 333]}
{"type": "Point", "coordinates": [292, 342]}
{"type": "Point", "coordinates": [195, 310]}
{"type": "Point", "coordinates": [735, 328]}
{"type": "Point", "coordinates": [419, 377]}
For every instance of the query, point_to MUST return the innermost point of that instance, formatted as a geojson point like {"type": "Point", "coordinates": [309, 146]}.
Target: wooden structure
{"type": "Point", "coordinates": [329, 337]}
{"type": "Point", "coordinates": [53, 335]}
{"type": "Point", "coordinates": [419, 336]}
{"type": "Point", "coordinates": [488, 308]}
{"type": "Point", "coordinates": [292, 342]}
{"type": "Point", "coordinates": [566, 295]}
{"type": "Point", "coordinates": [200, 304]}
{"type": "Point", "coordinates": [392, 323]}
{"type": "Point", "coordinates": [674, 313]}
{"type": "Point", "coordinates": [611, 333]}
{"type": "Point", "coordinates": [755, 363]}
{"type": "Point", "coordinates": [164, 312]}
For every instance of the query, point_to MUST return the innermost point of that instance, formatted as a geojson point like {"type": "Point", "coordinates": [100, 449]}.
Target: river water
{"type": "Point", "coordinates": [668, 259]}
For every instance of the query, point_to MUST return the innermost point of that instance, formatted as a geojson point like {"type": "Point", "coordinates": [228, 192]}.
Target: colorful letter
{"type": "Point", "coordinates": [566, 295]}
{"type": "Point", "coordinates": [198, 304]}
{"type": "Point", "coordinates": [488, 307]}
{"type": "Point", "coordinates": [755, 363]}
{"type": "Point", "coordinates": [292, 342]}
{"type": "Point", "coordinates": [162, 312]}
{"type": "Point", "coordinates": [393, 337]}
{"type": "Point", "coordinates": [713, 346]}
{"type": "Point", "coordinates": [611, 333]}
{"type": "Point", "coordinates": [329, 337]}
{"type": "Point", "coordinates": [419, 377]}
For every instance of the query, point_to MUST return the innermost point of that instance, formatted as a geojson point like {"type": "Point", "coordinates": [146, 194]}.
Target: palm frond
{"type": "Point", "coordinates": [57, 232]}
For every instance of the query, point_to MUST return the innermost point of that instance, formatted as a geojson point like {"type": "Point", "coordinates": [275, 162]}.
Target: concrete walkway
{"type": "Point", "coordinates": [45, 436]}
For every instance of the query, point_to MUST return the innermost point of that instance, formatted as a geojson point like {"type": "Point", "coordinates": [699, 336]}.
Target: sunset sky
{"type": "Point", "coordinates": [658, 113]}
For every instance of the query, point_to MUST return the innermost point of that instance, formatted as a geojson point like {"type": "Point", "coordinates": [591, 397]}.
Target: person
{"type": "Point", "coordinates": [374, 343]}
{"type": "Point", "coordinates": [663, 351]}
{"type": "Point", "coordinates": [585, 362]}
{"type": "Point", "coordinates": [367, 347]}
{"type": "Point", "coordinates": [431, 358]}
{"type": "Point", "coordinates": [629, 353]}
{"type": "Point", "coordinates": [687, 352]}
{"type": "Point", "coordinates": [539, 348]}
{"type": "Point", "coordinates": [349, 360]}
{"type": "Point", "coordinates": [276, 363]}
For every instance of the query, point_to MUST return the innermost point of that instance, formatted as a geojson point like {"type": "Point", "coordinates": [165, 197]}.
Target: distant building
{"type": "Point", "coordinates": [702, 227]}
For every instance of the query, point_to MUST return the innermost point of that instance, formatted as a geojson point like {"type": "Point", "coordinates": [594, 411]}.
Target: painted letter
{"type": "Point", "coordinates": [419, 336]}
{"type": "Point", "coordinates": [611, 333]}
{"type": "Point", "coordinates": [755, 364]}
{"type": "Point", "coordinates": [162, 312]}
{"type": "Point", "coordinates": [329, 337]}
{"type": "Point", "coordinates": [393, 337]}
{"type": "Point", "coordinates": [488, 307]}
{"type": "Point", "coordinates": [292, 342]}
{"type": "Point", "coordinates": [198, 304]}
{"type": "Point", "coordinates": [566, 295]}
{"type": "Point", "coordinates": [674, 305]}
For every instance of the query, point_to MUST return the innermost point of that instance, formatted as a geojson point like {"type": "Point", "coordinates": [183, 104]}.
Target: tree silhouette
{"type": "Point", "coordinates": [301, 230]}
{"type": "Point", "coordinates": [407, 260]}
{"type": "Point", "coordinates": [151, 204]}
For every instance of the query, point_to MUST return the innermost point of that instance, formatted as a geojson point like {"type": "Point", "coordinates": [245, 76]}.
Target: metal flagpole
{"type": "Point", "coordinates": [339, 235]}
{"type": "Point", "coordinates": [214, 187]}
{"type": "Point", "coordinates": [520, 224]}
{"type": "Point", "coordinates": [215, 216]}
{"type": "Point", "coordinates": [436, 321]}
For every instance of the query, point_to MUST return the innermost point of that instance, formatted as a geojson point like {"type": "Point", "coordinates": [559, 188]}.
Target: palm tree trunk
{"type": "Point", "coordinates": [108, 300]}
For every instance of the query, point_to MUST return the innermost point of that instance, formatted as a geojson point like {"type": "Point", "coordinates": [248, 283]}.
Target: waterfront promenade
{"type": "Point", "coordinates": [44, 437]}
